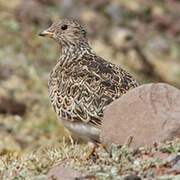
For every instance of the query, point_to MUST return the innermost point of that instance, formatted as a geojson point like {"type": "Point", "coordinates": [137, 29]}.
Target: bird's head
{"type": "Point", "coordinates": [68, 33]}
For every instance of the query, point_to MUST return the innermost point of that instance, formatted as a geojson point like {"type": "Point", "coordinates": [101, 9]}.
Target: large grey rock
{"type": "Point", "coordinates": [150, 113]}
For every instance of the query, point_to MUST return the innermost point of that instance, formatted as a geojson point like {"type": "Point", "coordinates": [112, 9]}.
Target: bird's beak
{"type": "Point", "coordinates": [46, 33]}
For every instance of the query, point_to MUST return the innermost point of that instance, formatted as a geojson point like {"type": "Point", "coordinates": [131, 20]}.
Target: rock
{"type": "Point", "coordinates": [160, 155]}
{"type": "Point", "coordinates": [92, 18]}
{"type": "Point", "coordinates": [23, 13]}
{"type": "Point", "coordinates": [9, 105]}
{"type": "Point", "coordinates": [121, 38]}
{"type": "Point", "coordinates": [116, 12]}
{"type": "Point", "coordinates": [174, 159]}
{"type": "Point", "coordinates": [94, 4]}
{"type": "Point", "coordinates": [132, 177]}
{"type": "Point", "coordinates": [176, 167]}
{"type": "Point", "coordinates": [69, 9]}
{"type": "Point", "coordinates": [174, 162]}
{"type": "Point", "coordinates": [64, 173]}
{"type": "Point", "coordinates": [150, 113]}
{"type": "Point", "coordinates": [48, 2]}
{"type": "Point", "coordinates": [159, 44]}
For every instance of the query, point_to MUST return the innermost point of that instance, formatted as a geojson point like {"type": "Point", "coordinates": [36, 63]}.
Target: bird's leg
{"type": "Point", "coordinates": [91, 150]}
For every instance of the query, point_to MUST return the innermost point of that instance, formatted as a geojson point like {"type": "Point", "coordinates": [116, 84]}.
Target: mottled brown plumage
{"type": "Point", "coordinates": [82, 84]}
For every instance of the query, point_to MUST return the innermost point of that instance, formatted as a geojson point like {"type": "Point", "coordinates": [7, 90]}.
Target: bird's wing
{"type": "Point", "coordinates": [94, 83]}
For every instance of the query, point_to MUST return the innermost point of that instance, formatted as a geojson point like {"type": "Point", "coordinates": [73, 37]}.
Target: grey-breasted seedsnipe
{"type": "Point", "coordinates": [82, 84]}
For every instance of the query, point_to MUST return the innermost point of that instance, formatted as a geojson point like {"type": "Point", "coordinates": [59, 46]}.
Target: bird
{"type": "Point", "coordinates": [82, 84]}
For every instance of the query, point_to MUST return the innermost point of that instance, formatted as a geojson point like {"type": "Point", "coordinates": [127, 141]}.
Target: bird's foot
{"type": "Point", "coordinates": [91, 150]}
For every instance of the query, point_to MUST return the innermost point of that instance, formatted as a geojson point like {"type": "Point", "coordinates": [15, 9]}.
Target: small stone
{"type": "Point", "coordinates": [150, 113]}
{"type": "Point", "coordinates": [23, 13]}
{"type": "Point", "coordinates": [176, 167]}
{"type": "Point", "coordinates": [115, 11]}
{"type": "Point", "coordinates": [132, 177]}
{"type": "Point", "coordinates": [121, 38]}
{"type": "Point", "coordinates": [159, 44]}
{"type": "Point", "coordinates": [174, 159]}
{"type": "Point", "coordinates": [160, 155]}
{"type": "Point", "coordinates": [9, 105]}
{"type": "Point", "coordinates": [64, 173]}
{"type": "Point", "coordinates": [69, 8]}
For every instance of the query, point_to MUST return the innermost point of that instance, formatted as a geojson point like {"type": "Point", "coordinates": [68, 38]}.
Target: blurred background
{"type": "Point", "coordinates": [141, 36]}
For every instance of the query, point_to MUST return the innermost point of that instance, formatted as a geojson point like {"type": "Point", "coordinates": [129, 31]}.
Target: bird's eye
{"type": "Point", "coordinates": [64, 27]}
